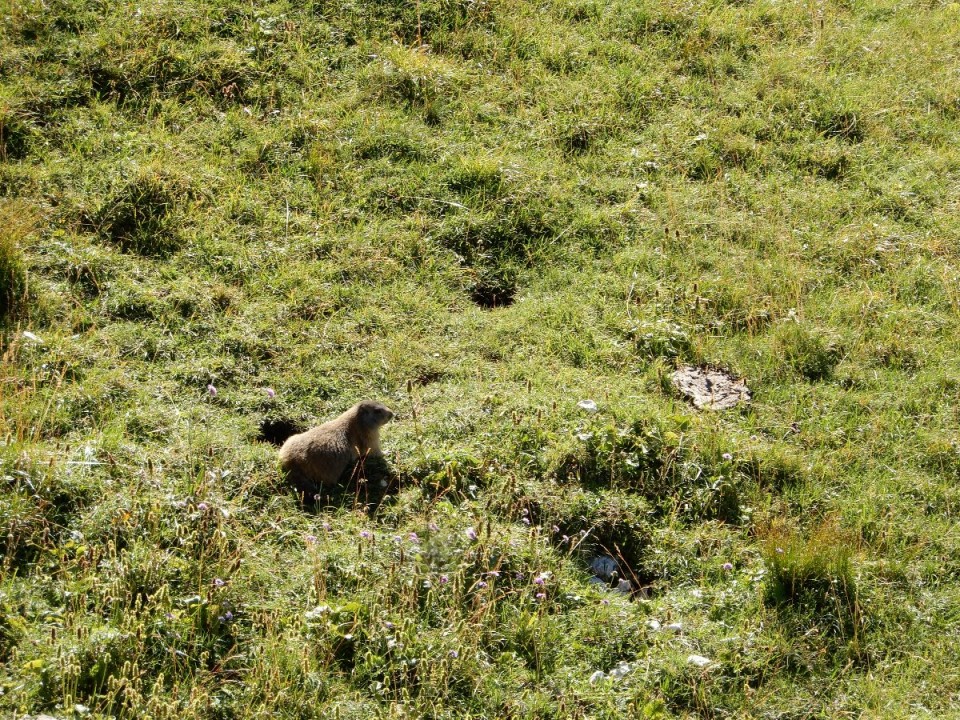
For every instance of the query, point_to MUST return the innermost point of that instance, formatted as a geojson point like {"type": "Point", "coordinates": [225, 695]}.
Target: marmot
{"type": "Point", "coordinates": [320, 456]}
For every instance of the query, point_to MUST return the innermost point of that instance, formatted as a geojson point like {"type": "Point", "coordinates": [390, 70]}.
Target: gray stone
{"type": "Point", "coordinates": [604, 566]}
{"type": "Point", "coordinates": [710, 389]}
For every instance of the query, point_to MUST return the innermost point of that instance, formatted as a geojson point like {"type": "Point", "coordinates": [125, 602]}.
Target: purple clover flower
{"type": "Point", "coordinates": [471, 533]}
{"type": "Point", "coordinates": [218, 582]}
{"type": "Point", "coordinates": [271, 393]}
{"type": "Point", "coordinates": [444, 579]}
{"type": "Point", "coordinates": [728, 566]}
{"type": "Point", "coordinates": [212, 390]}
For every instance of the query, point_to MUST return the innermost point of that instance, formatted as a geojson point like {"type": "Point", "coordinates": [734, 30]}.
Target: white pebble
{"type": "Point", "coordinates": [588, 405]}
{"type": "Point", "coordinates": [698, 660]}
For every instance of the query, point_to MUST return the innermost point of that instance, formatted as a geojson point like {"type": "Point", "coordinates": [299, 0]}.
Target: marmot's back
{"type": "Point", "coordinates": [321, 456]}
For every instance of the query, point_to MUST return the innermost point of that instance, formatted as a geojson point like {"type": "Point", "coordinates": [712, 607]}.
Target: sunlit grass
{"type": "Point", "coordinates": [510, 222]}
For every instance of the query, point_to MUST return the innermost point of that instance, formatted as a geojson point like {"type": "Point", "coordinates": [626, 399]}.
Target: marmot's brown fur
{"type": "Point", "coordinates": [319, 457]}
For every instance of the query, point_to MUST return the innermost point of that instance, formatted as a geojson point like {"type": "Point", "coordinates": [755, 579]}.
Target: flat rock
{"type": "Point", "coordinates": [710, 389]}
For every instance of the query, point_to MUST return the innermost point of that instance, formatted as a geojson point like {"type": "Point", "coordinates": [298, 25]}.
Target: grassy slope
{"type": "Point", "coordinates": [307, 196]}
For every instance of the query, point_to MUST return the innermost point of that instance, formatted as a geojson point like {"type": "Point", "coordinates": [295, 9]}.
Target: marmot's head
{"type": "Point", "coordinates": [372, 415]}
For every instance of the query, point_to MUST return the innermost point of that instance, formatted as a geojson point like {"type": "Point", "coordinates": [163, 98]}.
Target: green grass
{"type": "Point", "coordinates": [480, 213]}
{"type": "Point", "coordinates": [15, 225]}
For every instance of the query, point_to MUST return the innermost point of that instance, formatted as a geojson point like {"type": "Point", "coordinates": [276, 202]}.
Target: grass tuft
{"type": "Point", "coordinates": [806, 352]}
{"type": "Point", "coordinates": [15, 136]}
{"type": "Point", "coordinates": [141, 216]}
{"type": "Point", "coordinates": [811, 581]}
{"type": "Point", "coordinates": [16, 224]}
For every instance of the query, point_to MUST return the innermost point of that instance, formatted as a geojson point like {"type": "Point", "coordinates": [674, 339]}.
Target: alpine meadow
{"type": "Point", "coordinates": [511, 222]}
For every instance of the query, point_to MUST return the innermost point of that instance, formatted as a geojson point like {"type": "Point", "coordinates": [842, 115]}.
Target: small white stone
{"type": "Point", "coordinates": [597, 677]}
{"type": "Point", "coordinates": [654, 625]}
{"type": "Point", "coordinates": [620, 670]}
{"type": "Point", "coordinates": [588, 405]}
{"type": "Point", "coordinates": [317, 612]}
{"type": "Point", "coordinates": [698, 660]}
{"type": "Point", "coordinates": [624, 587]}
{"type": "Point", "coordinates": [674, 627]}
{"type": "Point", "coordinates": [30, 336]}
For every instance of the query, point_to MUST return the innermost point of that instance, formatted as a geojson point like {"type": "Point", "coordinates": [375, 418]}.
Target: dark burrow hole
{"type": "Point", "coordinates": [490, 296]}
{"type": "Point", "coordinates": [276, 430]}
{"type": "Point", "coordinates": [603, 527]}
{"type": "Point", "coordinates": [629, 567]}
